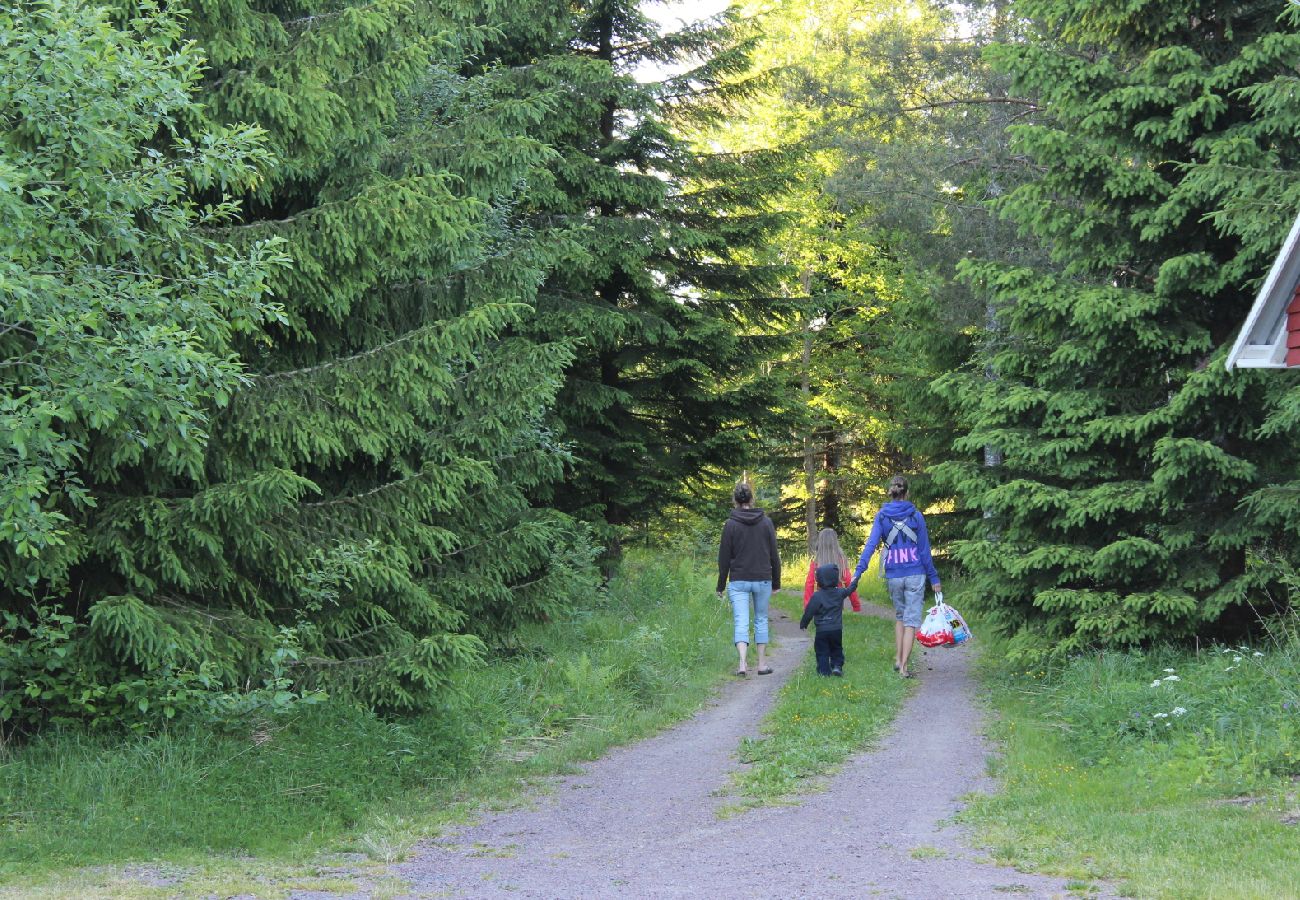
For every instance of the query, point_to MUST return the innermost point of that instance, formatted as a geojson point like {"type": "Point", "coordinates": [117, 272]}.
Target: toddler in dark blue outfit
{"type": "Point", "coordinates": [826, 608]}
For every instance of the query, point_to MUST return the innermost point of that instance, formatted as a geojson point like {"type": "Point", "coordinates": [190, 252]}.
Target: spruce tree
{"type": "Point", "coordinates": [364, 501]}
{"type": "Point", "coordinates": [667, 388]}
{"type": "Point", "coordinates": [120, 308]}
{"type": "Point", "coordinates": [1137, 482]}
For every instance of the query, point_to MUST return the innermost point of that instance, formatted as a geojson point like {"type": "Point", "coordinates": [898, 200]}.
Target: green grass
{"type": "Point", "coordinates": [1174, 784]}
{"type": "Point", "coordinates": [334, 778]}
{"type": "Point", "coordinates": [818, 722]}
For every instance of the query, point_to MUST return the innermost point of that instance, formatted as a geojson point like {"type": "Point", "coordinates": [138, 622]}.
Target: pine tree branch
{"type": "Point", "coordinates": [971, 101]}
{"type": "Point", "coordinates": [329, 364]}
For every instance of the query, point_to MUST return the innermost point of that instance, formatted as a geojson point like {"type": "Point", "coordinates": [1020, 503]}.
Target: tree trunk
{"type": "Point", "coordinates": [831, 489]}
{"type": "Point", "coordinates": [805, 385]}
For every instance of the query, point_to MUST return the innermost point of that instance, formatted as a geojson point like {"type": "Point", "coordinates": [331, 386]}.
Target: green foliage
{"type": "Point", "coordinates": [1118, 516]}
{"type": "Point", "coordinates": [118, 306]}
{"type": "Point", "coordinates": [48, 675]}
{"type": "Point", "coordinates": [356, 467]}
{"type": "Point", "coordinates": [669, 315]}
{"type": "Point", "coordinates": [1167, 769]}
{"type": "Point", "coordinates": [613, 665]}
{"type": "Point", "coordinates": [903, 133]}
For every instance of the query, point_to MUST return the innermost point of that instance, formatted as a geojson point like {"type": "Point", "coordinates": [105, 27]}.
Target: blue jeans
{"type": "Point", "coordinates": [741, 594]}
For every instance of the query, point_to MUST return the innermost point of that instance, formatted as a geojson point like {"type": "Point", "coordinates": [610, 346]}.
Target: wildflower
{"type": "Point", "coordinates": [1172, 678]}
{"type": "Point", "coordinates": [1160, 716]}
{"type": "Point", "coordinates": [1236, 659]}
{"type": "Point", "coordinates": [1229, 668]}
{"type": "Point", "coordinates": [1169, 670]}
{"type": "Point", "coordinates": [1178, 711]}
{"type": "Point", "coordinates": [1257, 653]}
{"type": "Point", "coordinates": [1156, 683]}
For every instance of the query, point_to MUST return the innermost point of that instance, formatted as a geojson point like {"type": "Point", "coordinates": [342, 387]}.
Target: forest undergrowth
{"type": "Point", "coordinates": [1173, 771]}
{"type": "Point", "coordinates": [197, 801]}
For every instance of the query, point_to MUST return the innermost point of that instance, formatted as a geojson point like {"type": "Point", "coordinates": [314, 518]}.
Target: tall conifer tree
{"type": "Point", "coordinates": [1164, 192]}
{"type": "Point", "coordinates": [667, 383]}
{"type": "Point", "coordinates": [119, 311]}
{"type": "Point", "coordinates": [366, 496]}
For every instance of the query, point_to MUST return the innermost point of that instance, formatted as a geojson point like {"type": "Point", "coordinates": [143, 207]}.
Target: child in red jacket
{"type": "Point", "coordinates": [827, 552]}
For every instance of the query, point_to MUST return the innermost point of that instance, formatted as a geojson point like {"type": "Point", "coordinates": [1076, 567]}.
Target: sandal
{"type": "Point", "coordinates": [765, 671]}
{"type": "Point", "coordinates": [903, 673]}
{"type": "Point", "coordinates": [741, 673]}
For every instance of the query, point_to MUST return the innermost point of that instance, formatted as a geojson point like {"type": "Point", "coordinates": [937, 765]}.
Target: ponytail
{"type": "Point", "coordinates": [897, 487]}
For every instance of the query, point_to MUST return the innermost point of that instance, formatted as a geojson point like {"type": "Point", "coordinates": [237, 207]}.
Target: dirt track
{"type": "Point", "coordinates": [642, 821]}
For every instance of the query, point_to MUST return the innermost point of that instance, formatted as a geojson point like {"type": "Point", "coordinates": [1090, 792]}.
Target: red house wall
{"type": "Point", "coordinates": [1293, 331]}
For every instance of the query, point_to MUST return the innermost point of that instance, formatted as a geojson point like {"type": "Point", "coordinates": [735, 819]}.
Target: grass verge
{"type": "Point", "coordinates": [819, 722]}
{"type": "Point", "coordinates": [1172, 772]}
{"type": "Point", "coordinates": [182, 812]}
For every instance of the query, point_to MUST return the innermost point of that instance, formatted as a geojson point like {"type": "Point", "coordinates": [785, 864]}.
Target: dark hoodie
{"type": "Point", "coordinates": [905, 557]}
{"type": "Point", "coordinates": [748, 549]}
{"type": "Point", "coordinates": [826, 607]}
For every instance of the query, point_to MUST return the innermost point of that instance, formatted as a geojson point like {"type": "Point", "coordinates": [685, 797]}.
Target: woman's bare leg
{"type": "Point", "coordinates": [909, 635]}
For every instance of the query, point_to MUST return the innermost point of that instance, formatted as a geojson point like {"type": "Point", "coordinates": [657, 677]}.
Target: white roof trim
{"type": "Point", "coordinates": [1278, 289]}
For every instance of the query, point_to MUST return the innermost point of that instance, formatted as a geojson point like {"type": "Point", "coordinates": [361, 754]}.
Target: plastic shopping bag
{"type": "Point", "coordinates": [960, 630]}
{"type": "Point", "coordinates": [935, 630]}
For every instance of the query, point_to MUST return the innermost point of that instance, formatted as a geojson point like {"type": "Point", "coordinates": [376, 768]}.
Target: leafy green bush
{"type": "Point", "coordinates": [48, 676]}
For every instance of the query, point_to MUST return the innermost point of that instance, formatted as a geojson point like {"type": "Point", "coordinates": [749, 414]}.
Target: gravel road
{"type": "Point", "coordinates": [641, 822]}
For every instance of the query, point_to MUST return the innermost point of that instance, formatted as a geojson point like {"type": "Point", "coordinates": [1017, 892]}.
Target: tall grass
{"type": "Point", "coordinates": [624, 662]}
{"type": "Point", "coordinates": [1172, 770]}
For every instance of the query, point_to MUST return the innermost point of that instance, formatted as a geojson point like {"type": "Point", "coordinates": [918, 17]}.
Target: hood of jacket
{"type": "Point", "coordinates": [828, 576]}
{"type": "Point", "coordinates": [898, 509]}
{"type": "Point", "coordinates": [751, 516]}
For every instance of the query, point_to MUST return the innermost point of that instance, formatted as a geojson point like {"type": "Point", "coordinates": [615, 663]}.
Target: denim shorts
{"type": "Point", "coordinates": [908, 594]}
{"type": "Point", "coordinates": [743, 594]}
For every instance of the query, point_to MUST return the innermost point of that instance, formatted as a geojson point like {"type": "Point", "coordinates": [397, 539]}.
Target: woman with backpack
{"type": "Point", "coordinates": [899, 530]}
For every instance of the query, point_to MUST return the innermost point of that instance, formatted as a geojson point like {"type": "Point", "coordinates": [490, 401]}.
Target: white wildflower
{"type": "Point", "coordinates": [1156, 683]}
{"type": "Point", "coordinates": [1229, 668]}
{"type": "Point", "coordinates": [1178, 711]}
{"type": "Point", "coordinates": [1257, 653]}
{"type": "Point", "coordinates": [1169, 670]}
{"type": "Point", "coordinates": [1236, 659]}
{"type": "Point", "coordinates": [1172, 678]}
{"type": "Point", "coordinates": [1160, 716]}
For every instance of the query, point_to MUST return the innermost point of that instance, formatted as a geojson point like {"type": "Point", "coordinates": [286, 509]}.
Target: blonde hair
{"type": "Point", "coordinates": [826, 551]}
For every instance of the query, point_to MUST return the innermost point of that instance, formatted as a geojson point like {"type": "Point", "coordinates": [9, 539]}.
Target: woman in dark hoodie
{"type": "Point", "coordinates": [748, 557]}
{"type": "Point", "coordinates": [899, 529]}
